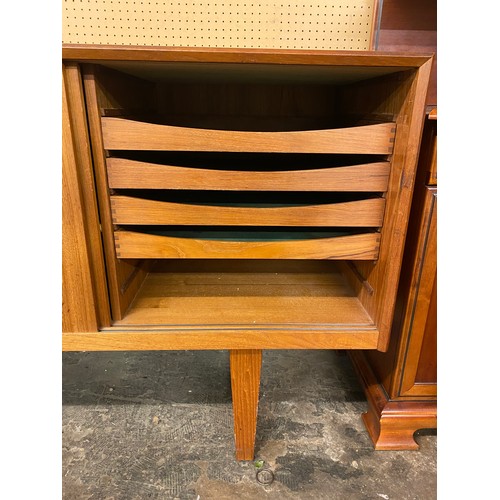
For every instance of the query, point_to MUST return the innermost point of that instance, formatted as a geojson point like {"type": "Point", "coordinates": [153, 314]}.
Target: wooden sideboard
{"type": "Point", "coordinates": [236, 199]}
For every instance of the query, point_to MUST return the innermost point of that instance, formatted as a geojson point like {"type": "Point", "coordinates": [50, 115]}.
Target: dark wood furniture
{"type": "Point", "coordinates": [401, 385]}
{"type": "Point", "coordinates": [406, 25]}
{"type": "Point", "coordinates": [236, 199]}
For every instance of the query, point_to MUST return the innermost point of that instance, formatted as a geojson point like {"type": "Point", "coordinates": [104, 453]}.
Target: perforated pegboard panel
{"type": "Point", "coordinates": [287, 24]}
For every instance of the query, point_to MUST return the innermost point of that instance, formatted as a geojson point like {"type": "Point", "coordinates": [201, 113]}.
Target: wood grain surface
{"type": "Point", "coordinates": [242, 56]}
{"type": "Point", "coordinates": [124, 134]}
{"type": "Point", "coordinates": [391, 424]}
{"type": "Point", "coordinates": [245, 368]}
{"type": "Point", "coordinates": [132, 245]}
{"type": "Point", "coordinates": [248, 295]}
{"type": "Point", "coordinates": [86, 180]}
{"type": "Point", "coordinates": [79, 312]}
{"type": "Point", "coordinates": [361, 213]}
{"type": "Point", "coordinates": [174, 339]}
{"type": "Point", "coordinates": [130, 174]}
{"type": "Point", "coordinates": [124, 277]}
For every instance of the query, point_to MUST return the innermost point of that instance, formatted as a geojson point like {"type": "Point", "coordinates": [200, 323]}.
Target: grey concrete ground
{"type": "Point", "coordinates": [158, 425]}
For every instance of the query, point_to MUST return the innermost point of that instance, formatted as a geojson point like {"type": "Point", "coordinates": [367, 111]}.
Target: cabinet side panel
{"type": "Point", "coordinates": [409, 368]}
{"type": "Point", "coordinates": [79, 312]}
{"type": "Point", "coordinates": [427, 368]}
{"type": "Point", "coordinates": [399, 97]}
{"type": "Point", "coordinates": [420, 326]}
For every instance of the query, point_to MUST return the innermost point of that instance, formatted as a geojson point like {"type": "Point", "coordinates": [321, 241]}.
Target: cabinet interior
{"type": "Point", "coordinates": [230, 263]}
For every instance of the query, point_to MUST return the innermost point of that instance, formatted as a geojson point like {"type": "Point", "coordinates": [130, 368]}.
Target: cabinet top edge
{"type": "Point", "coordinates": [87, 53]}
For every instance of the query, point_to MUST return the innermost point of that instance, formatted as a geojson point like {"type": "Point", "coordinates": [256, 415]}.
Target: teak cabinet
{"type": "Point", "coordinates": [236, 199]}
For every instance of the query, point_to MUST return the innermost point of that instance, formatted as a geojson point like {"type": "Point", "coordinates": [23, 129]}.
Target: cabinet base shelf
{"type": "Point", "coordinates": [198, 304]}
{"type": "Point", "coordinates": [136, 340]}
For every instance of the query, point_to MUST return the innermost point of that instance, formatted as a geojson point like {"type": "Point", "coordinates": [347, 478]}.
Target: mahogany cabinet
{"type": "Point", "coordinates": [406, 25]}
{"type": "Point", "coordinates": [401, 384]}
{"type": "Point", "coordinates": [236, 199]}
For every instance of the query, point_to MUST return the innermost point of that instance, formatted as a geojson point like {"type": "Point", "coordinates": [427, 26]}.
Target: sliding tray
{"type": "Point", "coordinates": [126, 134]}
{"type": "Point", "coordinates": [245, 245]}
{"type": "Point", "coordinates": [124, 173]}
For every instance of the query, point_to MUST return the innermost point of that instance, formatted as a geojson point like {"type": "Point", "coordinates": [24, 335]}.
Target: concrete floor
{"type": "Point", "coordinates": [158, 425]}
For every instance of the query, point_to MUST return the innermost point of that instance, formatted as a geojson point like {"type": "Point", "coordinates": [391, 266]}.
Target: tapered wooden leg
{"type": "Point", "coordinates": [245, 381]}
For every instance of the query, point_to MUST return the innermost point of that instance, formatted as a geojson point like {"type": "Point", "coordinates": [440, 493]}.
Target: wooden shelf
{"type": "Point", "coordinates": [276, 302]}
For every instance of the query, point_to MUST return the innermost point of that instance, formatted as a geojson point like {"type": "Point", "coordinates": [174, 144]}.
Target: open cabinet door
{"type": "Point", "coordinates": [79, 312]}
{"type": "Point", "coordinates": [124, 276]}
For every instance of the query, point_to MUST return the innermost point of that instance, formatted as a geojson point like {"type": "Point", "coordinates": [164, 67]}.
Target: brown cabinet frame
{"type": "Point", "coordinates": [99, 287]}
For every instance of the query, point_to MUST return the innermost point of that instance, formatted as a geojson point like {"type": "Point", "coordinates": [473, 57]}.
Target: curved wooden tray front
{"type": "Point", "coordinates": [139, 245]}
{"type": "Point", "coordinates": [131, 174]}
{"type": "Point", "coordinates": [125, 134]}
{"type": "Point", "coordinates": [129, 210]}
